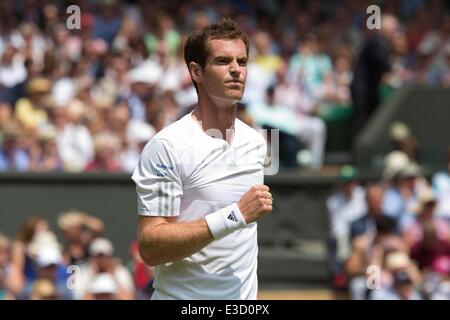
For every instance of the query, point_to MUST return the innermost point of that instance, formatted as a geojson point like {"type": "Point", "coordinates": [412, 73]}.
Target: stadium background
{"type": "Point", "coordinates": [77, 105]}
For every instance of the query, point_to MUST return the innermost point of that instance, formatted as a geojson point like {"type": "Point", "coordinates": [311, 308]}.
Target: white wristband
{"type": "Point", "coordinates": [225, 221]}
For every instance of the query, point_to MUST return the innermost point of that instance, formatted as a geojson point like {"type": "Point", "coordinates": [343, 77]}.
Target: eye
{"type": "Point", "coordinates": [242, 62]}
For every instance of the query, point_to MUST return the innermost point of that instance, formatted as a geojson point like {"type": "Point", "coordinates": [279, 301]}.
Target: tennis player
{"type": "Point", "coordinates": [200, 181]}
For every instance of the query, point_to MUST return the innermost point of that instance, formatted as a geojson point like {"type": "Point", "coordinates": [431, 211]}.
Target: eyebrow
{"type": "Point", "coordinates": [229, 58]}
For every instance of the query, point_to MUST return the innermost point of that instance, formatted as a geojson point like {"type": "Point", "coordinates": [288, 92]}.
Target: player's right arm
{"type": "Point", "coordinates": [163, 239]}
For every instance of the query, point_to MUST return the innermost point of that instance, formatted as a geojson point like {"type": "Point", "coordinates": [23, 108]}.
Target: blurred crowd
{"type": "Point", "coordinates": [390, 238]}
{"type": "Point", "coordinates": [89, 98]}
{"type": "Point", "coordinates": [35, 265]}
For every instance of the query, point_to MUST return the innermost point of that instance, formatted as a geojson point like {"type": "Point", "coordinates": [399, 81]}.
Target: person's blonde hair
{"type": "Point", "coordinates": [70, 218]}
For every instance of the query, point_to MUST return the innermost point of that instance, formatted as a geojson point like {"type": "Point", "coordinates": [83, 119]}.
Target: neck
{"type": "Point", "coordinates": [215, 116]}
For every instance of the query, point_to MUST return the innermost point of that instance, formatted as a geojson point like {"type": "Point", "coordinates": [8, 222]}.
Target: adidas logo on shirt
{"type": "Point", "coordinates": [232, 217]}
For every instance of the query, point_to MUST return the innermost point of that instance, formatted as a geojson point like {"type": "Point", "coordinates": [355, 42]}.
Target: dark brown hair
{"type": "Point", "coordinates": [196, 48]}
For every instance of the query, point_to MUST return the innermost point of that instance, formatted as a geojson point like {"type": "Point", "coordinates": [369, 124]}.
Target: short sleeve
{"type": "Point", "coordinates": [158, 180]}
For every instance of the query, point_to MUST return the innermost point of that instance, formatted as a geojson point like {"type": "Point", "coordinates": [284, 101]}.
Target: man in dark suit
{"type": "Point", "coordinates": [372, 64]}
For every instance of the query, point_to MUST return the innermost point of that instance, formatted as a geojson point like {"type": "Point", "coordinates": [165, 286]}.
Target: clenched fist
{"type": "Point", "coordinates": [255, 203]}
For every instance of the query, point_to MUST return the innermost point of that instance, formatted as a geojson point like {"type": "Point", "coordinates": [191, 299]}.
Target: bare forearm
{"type": "Point", "coordinates": [356, 264]}
{"type": "Point", "coordinates": [168, 242]}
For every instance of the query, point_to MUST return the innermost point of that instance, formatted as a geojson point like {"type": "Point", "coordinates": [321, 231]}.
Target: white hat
{"type": "Point", "coordinates": [101, 246]}
{"type": "Point", "coordinates": [399, 131]}
{"type": "Point", "coordinates": [139, 131]}
{"type": "Point", "coordinates": [397, 260]}
{"type": "Point", "coordinates": [394, 162]}
{"type": "Point", "coordinates": [103, 283]}
{"type": "Point", "coordinates": [425, 197]}
{"type": "Point", "coordinates": [148, 72]}
{"type": "Point", "coordinates": [48, 256]}
{"type": "Point", "coordinates": [42, 241]}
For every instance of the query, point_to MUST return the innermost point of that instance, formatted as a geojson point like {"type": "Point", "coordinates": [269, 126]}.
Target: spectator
{"type": "Point", "coordinates": [46, 157]}
{"type": "Point", "coordinates": [142, 80]}
{"type": "Point", "coordinates": [345, 205]}
{"type": "Point", "coordinates": [74, 141]}
{"type": "Point", "coordinates": [138, 134]}
{"type": "Point", "coordinates": [401, 195]}
{"type": "Point", "coordinates": [311, 128]}
{"type": "Point", "coordinates": [365, 226]}
{"type": "Point", "coordinates": [164, 34]}
{"type": "Point", "coordinates": [368, 250]}
{"type": "Point", "coordinates": [310, 69]}
{"type": "Point", "coordinates": [337, 90]}
{"type": "Point", "coordinates": [12, 74]}
{"type": "Point", "coordinates": [106, 147]}
{"type": "Point", "coordinates": [5, 265]}
{"type": "Point", "coordinates": [441, 187]}
{"type": "Point", "coordinates": [402, 289]}
{"type": "Point", "coordinates": [31, 111]}
{"type": "Point", "coordinates": [142, 274]}
{"type": "Point", "coordinates": [48, 267]}
{"type": "Point", "coordinates": [12, 156]}
{"type": "Point", "coordinates": [102, 261]}
{"type": "Point", "coordinates": [79, 230]}
{"type": "Point", "coordinates": [44, 289]}
{"type": "Point", "coordinates": [372, 64]}
{"type": "Point", "coordinates": [269, 115]}
{"type": "Point", "coordinates": [107, 23]}
{"type": "Point", "coordinates": [436, 230]}
{"type": "Point", "coordinates": [102, 287]}
{"type": "Point", "coordinates": [22, 260]}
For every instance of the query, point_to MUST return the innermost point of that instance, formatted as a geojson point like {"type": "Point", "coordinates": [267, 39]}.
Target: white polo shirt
{"type": "Point", "coordinates": [184, 172]}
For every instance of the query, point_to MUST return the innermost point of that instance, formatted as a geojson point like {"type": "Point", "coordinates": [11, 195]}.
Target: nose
{"type": "Point", "coordinates": [235, 69]}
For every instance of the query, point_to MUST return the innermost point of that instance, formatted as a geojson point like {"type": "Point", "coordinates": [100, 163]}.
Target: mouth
{"type": "Point", "coordinates": [235, 82]}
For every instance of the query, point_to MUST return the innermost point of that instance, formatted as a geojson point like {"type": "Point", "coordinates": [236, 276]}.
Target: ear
{"type": "Point", "coordinates": [195, 70]}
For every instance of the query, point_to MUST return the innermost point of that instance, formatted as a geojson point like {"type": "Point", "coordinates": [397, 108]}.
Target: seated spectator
{"type": "Point", "coordinates": [22, 260]}
{"type": "Point", "coordinates": [102, 287]}
{"type": "Point", "coordinates": [12, 156]}
{"type": "Point", "coordinates": [426, 221]}
{"type": "Point", "coordinates": [441, 187]}
{"type": "Point", "coordinates": [106, 146]}
{"type": "Point", "coordinates": [48, 267]}
{"type": "Point", "coordinates": [406, 183]}
{"type": "Point", "coordinates": [102, 261]}
{"type": "Point", "coordinates": [5, 264]}
{"type": "Point", "coordinates": [13, 73]}
{"type": "Point", "coordinates": [31, 111]}
{"type": "Point", "coordinates": [366, 225]}
{"type": "Point", "coordinates": [310, 68]}
{"type": "Point", "coordinates": [432, 253]}
{"type": "Point", "coordinates": [311, 128]}
{"type": "Point", "coordinates": [142, 274]}
{"type": "Point", "coordinates": [271, 115]}
{"type": "Point", "coordinates": [345, 205]}
{"type": "Point", "coordinates": [74, 141]}
{"type": "Point", "coordinates": [337, 90]}
{"type": "Point", "coordinates": [46, 156]}
{"type": "Point", "coordinates": [138, 133]}
{"type": "Point", "coordinates": [404, 141]}
{"type": "Point", "coordinates": [268, 115]}
{"type": "Point", "coordinates": [79, 230]}
{"type": "Point", "coordinates": [369, 249]}
{"type": "Point", "coordinates": [44, 289]}
{"type": "Point", "coordinates": [402, 289]}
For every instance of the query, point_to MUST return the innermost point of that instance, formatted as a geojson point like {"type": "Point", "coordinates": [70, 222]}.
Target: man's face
{"type": "Point", "coordinates": [374, 198]}
{"type": "Point", "coordinates": [225, 72]}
